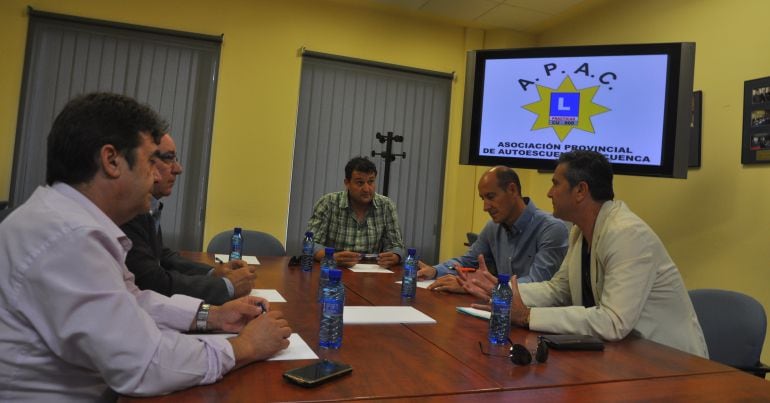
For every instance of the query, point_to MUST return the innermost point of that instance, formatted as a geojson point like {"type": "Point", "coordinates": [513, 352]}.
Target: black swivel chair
{"type": "Point", "coordinates": [734, 326]}
{"type": "Point", "coordinates": [255, 243]}
{"type": "Point", "coordinates": [472, 237]}
{"type": "Point", "coordinates": [4, 210]}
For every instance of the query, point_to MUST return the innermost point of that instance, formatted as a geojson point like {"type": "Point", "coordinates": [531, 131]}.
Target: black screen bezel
{"type": "Point", "coordinates": [671, 150]}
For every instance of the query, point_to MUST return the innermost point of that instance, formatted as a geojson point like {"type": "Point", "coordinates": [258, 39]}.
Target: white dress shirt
{"type": "Point", "coordinates": [74, 326]}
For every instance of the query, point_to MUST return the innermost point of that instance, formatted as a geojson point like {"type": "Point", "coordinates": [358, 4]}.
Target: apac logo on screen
{"type": "Point", "coordinates": [566, 107]}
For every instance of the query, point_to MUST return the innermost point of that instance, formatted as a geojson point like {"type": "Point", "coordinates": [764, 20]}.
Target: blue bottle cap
{"type": "Point", "coordinates": [335, 274]}
{"type": "Point", "coordinates": [237, 230]}
{"type": "Point", "coordinates": [504, 278]}
{"type": "Point", "coordinates": [411, 251]}
{"type": "Point", "coordinates": [329, 251]}
{"type": "Point", "coordinates": [309, 234]}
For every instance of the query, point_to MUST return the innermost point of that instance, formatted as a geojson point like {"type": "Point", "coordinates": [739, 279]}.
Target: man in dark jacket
{"type": "Point", "coordinates": [162, 270]}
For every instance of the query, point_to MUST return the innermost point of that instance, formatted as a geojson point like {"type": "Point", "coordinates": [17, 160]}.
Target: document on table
{"type": "Point", "coordinates": [421, 283]}
{"type": "Point", "coordinates": [226, 258]}
{"type": "Point", "coordinates": [370, 315]}
{"type": "Point", "coordinates": [269, 295]}
{"type": "Point", "coordinates": [477, 313]}
{"type": "Point", "coordinates": [369, 268]}
{"type": "Point", "coordinates": [297, 350]}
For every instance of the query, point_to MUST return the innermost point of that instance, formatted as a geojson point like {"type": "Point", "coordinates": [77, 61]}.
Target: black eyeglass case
{"type": "Point", "coordinates": [573, 342]}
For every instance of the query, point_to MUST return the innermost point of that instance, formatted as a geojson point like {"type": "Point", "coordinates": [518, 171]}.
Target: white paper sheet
{"type": "Point", "coordinates": [363, 315]}
{"type": "Point", "coordinates": [297, 350]}
{"type": "Point", "coordinates": [270, 295]}
{"type": "Point", "coordinates": [478, 313]}
{"type": "Point", "coordinates": [369, 268]}
{"type": "Point", "coordinates": [226, 258]}
{"type": "Point", "coordinates": [421, 283]}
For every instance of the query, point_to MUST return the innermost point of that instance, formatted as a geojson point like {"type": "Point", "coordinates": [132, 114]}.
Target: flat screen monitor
{"type": "Point", "coordinates": [524, 107]}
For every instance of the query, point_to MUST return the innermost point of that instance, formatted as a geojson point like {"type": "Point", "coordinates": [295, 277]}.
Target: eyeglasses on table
{"type": "Point", "coordinates": [520, 355]}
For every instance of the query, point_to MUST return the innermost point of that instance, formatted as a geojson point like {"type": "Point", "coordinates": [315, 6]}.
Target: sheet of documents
{"type": "Point", "coordinates": [478, 313]}
{"type": "Point", "coordinates": [226, 258]}
{"type": "Point", "coordinates": [297, 350]}
{"type": "Point", "coordinates": [369, 268]}
{"type": "Point", "coordinates": [270, 295]}
{"type": "Point", "coordinates": [421, 283]}
{"type": "Point", "coordinates": [369, 315]}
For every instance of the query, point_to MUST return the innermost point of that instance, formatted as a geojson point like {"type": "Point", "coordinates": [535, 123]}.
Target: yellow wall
{"type": "Point", "coordinates": [714, 224]}
{"type": "Point", "coordinates": [259, 86]}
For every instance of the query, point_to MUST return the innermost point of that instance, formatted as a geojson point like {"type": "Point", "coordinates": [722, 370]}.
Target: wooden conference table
{"type": "Point", "coordinates": [442, 361]}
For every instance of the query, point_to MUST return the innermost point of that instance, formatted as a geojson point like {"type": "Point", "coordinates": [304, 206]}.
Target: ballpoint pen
{"type": "Point", "coordinates": [261, 305]}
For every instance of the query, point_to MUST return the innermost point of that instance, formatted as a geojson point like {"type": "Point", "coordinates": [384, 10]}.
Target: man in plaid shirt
{"type": "Point", "coordinates": [357, 220]}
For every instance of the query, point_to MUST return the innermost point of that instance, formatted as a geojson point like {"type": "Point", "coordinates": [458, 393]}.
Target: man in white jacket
{"type": "Point", "coordinates": [617, 278]}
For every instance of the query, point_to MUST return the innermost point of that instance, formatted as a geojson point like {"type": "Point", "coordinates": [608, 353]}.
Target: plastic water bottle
{"type": "Point", "coordinates": [307, 252]}
{"type": "Point", "coordinates": [409, 281]}
{"type": "Point", "coordinates": [330, 335]}
{"type": "Point", "coordinates": [236, 244]}
{"type": "Point", "coordinates": [500, 320]}
{"type": "Point", "coordinates": [326, 264]}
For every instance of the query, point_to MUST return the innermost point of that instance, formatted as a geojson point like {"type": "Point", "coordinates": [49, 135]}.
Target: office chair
{"type": "Point", "coordinates": [472, 237]}
{"type": "Point", "coordinates": [734, 326]}
{"type": "Point", "coordinates": [255, 243]}
{"type": "Point", "coordinates": [4, 211]}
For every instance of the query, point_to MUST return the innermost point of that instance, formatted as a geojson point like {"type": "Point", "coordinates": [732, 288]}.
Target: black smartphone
{"type": "Point", "coordinates": [369, 257]}
{"type": "Point", "coordinates": [317, 373]}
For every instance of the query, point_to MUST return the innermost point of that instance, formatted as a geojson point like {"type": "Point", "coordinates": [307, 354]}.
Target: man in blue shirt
{"type": "Point", "coordinates": [520, 239]}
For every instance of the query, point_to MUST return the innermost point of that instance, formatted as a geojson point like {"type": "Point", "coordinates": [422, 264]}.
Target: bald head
{"type": "Point", "coordinates": [504, 177]}
{"type": "Point", "coordinates": [500, 190]}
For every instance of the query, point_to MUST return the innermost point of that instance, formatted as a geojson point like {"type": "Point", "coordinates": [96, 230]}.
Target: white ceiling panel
{"type": "Point", "coordinates": [552, 7]}
{"type": "Point", "coordinates": [403, 4]}
{"type": "Point", "coordinates": [510, 17]}
{"type": "Point", "coordinates": [518, 15]}
{"type": "Point", "coordinates": [459, 9]}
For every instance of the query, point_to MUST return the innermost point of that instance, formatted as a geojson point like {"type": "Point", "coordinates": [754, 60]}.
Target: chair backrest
{"type": "Point", "coordinates": [733, 324]}
{"type": "Point", "coordinates": [472, 237]}
{"type": "Point", "coordinates": [4, 212]}
{"type": "Point", "coordinates": [255, 243]}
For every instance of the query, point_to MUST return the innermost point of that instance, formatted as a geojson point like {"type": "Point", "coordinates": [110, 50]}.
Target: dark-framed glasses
{"type": "Point", "coordinates": [520, 355]}
{"type": "Point", "coordinates": [167, 157]}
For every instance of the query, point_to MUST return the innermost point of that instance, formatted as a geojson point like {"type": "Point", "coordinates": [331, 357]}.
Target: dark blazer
{"type": "Point", "coordinates": [163, 270]}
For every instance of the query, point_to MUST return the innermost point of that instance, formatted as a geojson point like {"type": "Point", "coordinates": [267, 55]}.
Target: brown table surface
{"type": "Point", "coordinates": [443, 360]}
{"type": "Point", "coordinates": [701, 388]}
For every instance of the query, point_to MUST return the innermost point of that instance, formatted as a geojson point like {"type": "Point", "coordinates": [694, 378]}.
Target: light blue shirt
{"type": "Point", "coordinates": [532, 248]}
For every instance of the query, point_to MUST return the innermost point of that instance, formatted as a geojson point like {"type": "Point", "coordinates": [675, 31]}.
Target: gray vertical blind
{"type": "Point", "coordinates": [343, 104]}
{"type": "Point", "coordinates": [173, 72]}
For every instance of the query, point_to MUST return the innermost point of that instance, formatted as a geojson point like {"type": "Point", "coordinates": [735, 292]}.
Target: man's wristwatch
{"type": "Point", "coordinates": [202, 318]}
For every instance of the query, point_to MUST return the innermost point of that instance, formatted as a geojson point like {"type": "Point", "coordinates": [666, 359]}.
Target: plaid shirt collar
{"type": "Point", "coordinates": [344, 202]}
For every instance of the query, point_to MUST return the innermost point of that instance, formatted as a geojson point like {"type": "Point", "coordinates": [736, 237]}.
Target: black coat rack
{"type": "Point", "coordinates": [388, 156]}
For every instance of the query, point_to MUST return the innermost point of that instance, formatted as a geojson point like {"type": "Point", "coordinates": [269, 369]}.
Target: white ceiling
{"type": "Point", "coordinates": [529, 16]}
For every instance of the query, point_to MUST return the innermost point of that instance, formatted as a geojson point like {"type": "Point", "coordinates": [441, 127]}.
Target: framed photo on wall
{"type": "Point", "coordinates": [755, 147]}
{"type": "Point", "coordinates": [695, 132]}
